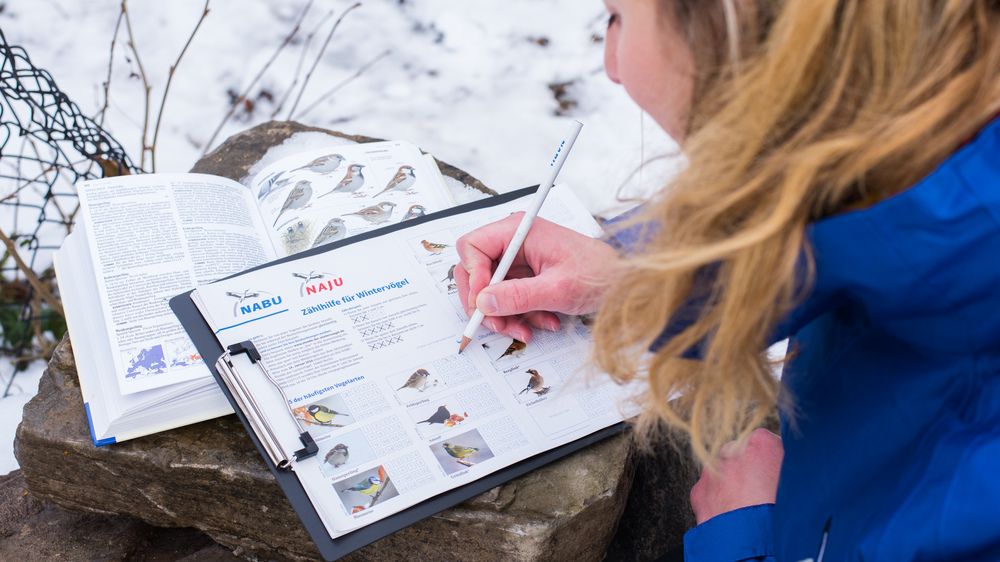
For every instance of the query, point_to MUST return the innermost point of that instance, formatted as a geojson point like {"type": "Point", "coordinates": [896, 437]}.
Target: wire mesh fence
{"type": "Point", "coordinates": [46, 145]}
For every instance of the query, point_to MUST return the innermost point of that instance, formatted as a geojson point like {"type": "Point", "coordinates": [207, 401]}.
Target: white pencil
{"type": "Point", "coordinates": [522, 229]}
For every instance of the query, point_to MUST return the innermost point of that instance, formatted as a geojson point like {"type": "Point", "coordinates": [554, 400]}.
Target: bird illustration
{"type": "Point", "coordinates": [323, 415]}
{"type": "Point", "coordinates": [323, 165]}
{"type": "Point", "coordinates": [516, 349]}
{"type": "Point", "coordinates": [298, 198]}
{"type": "Point", "coordinates": [451, 273]}
{"type": "Point", "coordinates": [403, 181]}
{"type": "Point", "coordinates": [433, 247]}
{"type": "Point", "coordinates": [338, 455]}
{"type": "Point", "coordinates": [275, 182]}
{"type": "Point", "coordinates": [248, 294]}
{"type": "Point", "coordinates": [352, 182]}
{"type": "Point", "coordinates": [417, 380]}
{"type": "Point", "coordinates": [376, 214]}
{"type": "Point", "coordinates": [536, 381]}
{"type": "Point", "coordinates": [295, 234]}
{"type": "Point", "coordinates": [307, 277]}
{"type": "Point", "coordinates": [367, 487]}
{"type": "Point", "coordinates": [458, 451]}
{"type": "Point", "coordinates": [414, 212]}
{"type": "Point", "coordinates": [440, 416]}
{"type": "Point", "coordinates": [334, 230]}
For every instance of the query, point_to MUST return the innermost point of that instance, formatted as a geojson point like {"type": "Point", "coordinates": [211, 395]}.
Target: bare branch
{"type": "Point", "coordinates": [342, 84]}
{"type": "Point", "coordinates": [33, 280]}
{"type": "Point", "coordinates": [111, 59]}
{"type": "Point", "coordinates": [166, 89]}
{"type": "Point", "coordinates": [246, 92]}
{"type": "Point", "coordinates": [145, 84]}
{"type": "Point", "coordinates": [318, 57]}
{"type": "Point", "coordinates": [298, 66]}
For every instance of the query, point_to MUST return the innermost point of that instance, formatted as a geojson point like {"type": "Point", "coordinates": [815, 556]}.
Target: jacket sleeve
{"type": "Point", "coordinates": [734, 536]}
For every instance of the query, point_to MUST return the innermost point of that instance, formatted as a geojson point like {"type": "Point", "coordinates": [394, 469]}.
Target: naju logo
{"type": "Point", "coordinates": [251, 301]}
{"type": "Point", "coordinates": [316, 282]}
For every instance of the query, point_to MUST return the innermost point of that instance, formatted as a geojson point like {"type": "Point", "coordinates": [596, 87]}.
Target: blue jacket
{"type": "Point", "coordinates": [896, 448]}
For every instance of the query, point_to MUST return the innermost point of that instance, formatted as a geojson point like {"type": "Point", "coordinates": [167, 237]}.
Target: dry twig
{"type": "Point", "coordinates": [145, 83]}
{"type": "Point", "coordinates": [166, 89]}
{"type": "Point", "coordinates": [319, 56]}
{"type": "Point", "coordinates": [32, 279]}
{"type": "Point", "coordinates": [342, 84]}
{"type": "Point", "coordinates": [260, 74]}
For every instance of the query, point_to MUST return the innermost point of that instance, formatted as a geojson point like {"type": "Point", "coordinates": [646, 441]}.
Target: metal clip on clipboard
{"type": "Point", "coordinates": [253, 412]}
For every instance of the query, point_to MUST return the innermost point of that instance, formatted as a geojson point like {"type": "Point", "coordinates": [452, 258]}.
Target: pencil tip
{"type": "Point", "coordinates": [465, 341]}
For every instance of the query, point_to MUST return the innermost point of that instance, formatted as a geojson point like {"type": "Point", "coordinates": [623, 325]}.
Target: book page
{"type": "Point", "coordinates": [363, 341]}
{"type": "Point", "coordinates": [321, 196]}
{"type": "Point", "coordinates": [151, 237]}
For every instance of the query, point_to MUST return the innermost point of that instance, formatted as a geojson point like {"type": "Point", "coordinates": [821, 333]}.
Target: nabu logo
{"type": "Point", "coordinates": [244, 304]}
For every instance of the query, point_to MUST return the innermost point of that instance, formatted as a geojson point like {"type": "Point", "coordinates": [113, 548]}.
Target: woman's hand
{"type": "Point", "coordinates": [746, 475]}
{"type": "Point", "coordinates": [556, 270]}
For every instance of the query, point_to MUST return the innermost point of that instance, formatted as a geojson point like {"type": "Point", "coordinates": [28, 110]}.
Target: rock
{"type": "Point", "coordinates": [234, 158]}
{"type": "Point", "coordinates": [209, 476]}
{"type": "Point", "coordinates": [658, 512]}
{"type": "Point", "coordinates": [32, 529]}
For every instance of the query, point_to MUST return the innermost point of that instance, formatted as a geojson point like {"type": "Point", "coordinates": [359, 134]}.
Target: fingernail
{"type": "Point", "coordinates": [491, 325]}
{"type": "Point", "coordinates": [551, 326]}
{"type": "Point", "coordinates": [486, 303]}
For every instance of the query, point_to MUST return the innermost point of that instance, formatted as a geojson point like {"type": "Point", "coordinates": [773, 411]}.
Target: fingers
{"type": "Point", "coordinates": [482, 248]}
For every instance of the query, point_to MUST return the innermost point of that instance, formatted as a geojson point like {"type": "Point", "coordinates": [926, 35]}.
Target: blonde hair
{"type": "Point", "coordinates": [819, 106]}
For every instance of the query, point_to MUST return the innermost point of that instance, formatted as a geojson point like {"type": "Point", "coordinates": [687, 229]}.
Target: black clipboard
{"type": "Point", "coordinates": [333, 548]}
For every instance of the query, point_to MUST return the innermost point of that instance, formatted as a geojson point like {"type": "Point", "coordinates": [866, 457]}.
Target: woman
{"type": "Point", "coordinates": [843, 190]}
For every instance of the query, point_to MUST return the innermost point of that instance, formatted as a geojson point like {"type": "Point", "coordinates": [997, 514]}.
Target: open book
{"type": "Point", "coordinates": [143, 239]}
{"type": "Point", "coordinates": [359, 391]}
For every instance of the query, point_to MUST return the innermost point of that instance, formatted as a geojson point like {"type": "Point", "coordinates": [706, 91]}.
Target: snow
{"type": "Point", "coordinates": [468, 82]}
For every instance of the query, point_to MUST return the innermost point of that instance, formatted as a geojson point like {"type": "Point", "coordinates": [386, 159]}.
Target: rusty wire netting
{"type": "Point", "coordinates": [46, 145]}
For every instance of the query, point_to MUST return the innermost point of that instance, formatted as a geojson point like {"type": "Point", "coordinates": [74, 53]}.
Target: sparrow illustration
{"type": "Point", "coordinates": [376, 214]}
{"type": "Point", "coordinates": [322, 414]}
{"type": "Point", "coordinates": [458, 451]}
{"type": "Point", "coordinates": [433, 247]}
{"type": "Point", "coordinates": [276, 182]}
{"type": "Point", "coordinates": [338, 455]}
{"type": "Point", "coordinates": [367, 487]}
{"type": "Point", "coordinates": [516, 348]}
{"type": "Point", "coordinates": [415, 211]}
{"type": "Point", "coordinates": [403, 180]}
{"type": "Point", "coordinates": [323, 165]}
{"type": "Point", "coordinates": [298, 198]}
{"type": "Point", "coordinates": [352, 182]}
{"type": "Point", "coordinates": [334, 230]}
{"type": "Point", "coordinates": [295, 234]}
{"type": "Point", "coordinates": [440, 416]}
{"type": "Point", "coordinates": [536, 381]}
{"type": "Point", "coordinates": [451, 273]}
{"type": "Point", "coordinates": [417, 380]}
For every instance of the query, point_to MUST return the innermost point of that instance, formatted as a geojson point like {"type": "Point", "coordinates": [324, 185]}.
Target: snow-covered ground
{"type": "Point", "coordinates": [477, 84]}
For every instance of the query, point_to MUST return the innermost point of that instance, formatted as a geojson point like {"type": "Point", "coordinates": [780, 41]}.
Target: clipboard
{"type": "Point", "coordinates": [333, 548]}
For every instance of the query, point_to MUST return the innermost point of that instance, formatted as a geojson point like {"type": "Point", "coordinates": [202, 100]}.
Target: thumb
{"type": "Point", "coordinates": [515, 296]}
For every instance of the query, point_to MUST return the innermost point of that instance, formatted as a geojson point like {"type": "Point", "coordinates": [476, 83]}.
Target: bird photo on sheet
{"type": "Point", "coordinates": [462, 451]}
{"type": "Point", "coordinates": [344, 452]}
{"type": "Point", "coordinates": [438, 416]}
{"type": "Point", "coordinates": [416, 384]}
{"type": "Point", "coordinates": [361, 491]}
{"type": "Point", "coordinates": [325, 415]}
